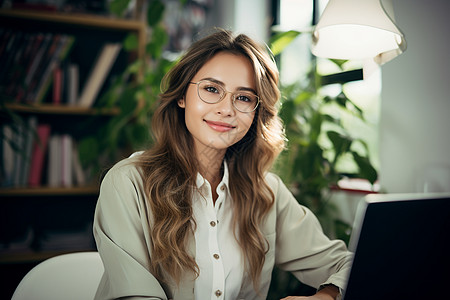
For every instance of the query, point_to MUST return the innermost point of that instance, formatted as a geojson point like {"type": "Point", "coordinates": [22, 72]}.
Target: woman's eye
{"type": "Point", "coordinates": [243, 98]}
{"type": "Point", "coordinates": [212, 89]}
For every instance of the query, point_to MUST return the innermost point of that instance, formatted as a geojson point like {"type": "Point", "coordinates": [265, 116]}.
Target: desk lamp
{"type": "Point", "coordinates": [358, 30]}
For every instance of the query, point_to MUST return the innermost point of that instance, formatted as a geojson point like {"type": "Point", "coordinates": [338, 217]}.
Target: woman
{"type": "Point", "coordinates": [199, 215]}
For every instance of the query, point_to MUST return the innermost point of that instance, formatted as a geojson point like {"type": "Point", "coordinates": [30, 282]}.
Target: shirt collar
{"type": "Point", "coordinates": [200, 181]}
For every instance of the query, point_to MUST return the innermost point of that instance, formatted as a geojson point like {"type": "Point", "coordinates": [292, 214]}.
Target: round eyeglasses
{"type": "Point", "coordinates": [212, 92]}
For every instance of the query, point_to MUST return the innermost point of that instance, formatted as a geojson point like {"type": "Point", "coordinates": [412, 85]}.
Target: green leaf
{"type": "Point", "coordinates": [131, 42]}
{"type": "Point", "coordinates": [366, 170]}
{"type": "Point", "coordinates": [287, 112]}
{"type": "Point", "coordinates": [155, 12]}
{"type": "Point", "coordinates": [316, 126]}
{"type": "Point", "coordinates": [138, 135]}
{"type": "Point", "coordinates": [118, 7]}
{"type": "Point", "coordinates": [302, 97]}
{"type": "Point", "coordinates": [88, 150]}
{"type": "Point", "coordinates": [309, 161]}
{"type": "Point", "coordinates": [281, 40]}
{"type": "Point", "coordinates": [341, 99]}
{"type": "Point", "coordinates": [341, 143]}
{"type": "Point", "coordinates": [128, 102]}
{"type": "Point", "coordinates": [158, 40]}
{"type": "Point", "coordinates": [339, 62]}
{"type": "Point", "coordinates": [359, 111]}
{"type": "Point", "coordinates": [135, 66]}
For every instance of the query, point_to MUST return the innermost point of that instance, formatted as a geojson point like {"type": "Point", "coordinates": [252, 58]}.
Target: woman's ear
{"type": "Point", "coordinates": [181, 103]}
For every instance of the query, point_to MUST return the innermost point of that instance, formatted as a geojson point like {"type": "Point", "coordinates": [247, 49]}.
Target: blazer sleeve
{"type": "Point", "coordinates": [122, 236]}
{"type": "Point", "coordinates": [301, 246]}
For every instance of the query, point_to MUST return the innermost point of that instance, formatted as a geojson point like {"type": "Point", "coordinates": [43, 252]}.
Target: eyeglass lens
{"type": "Point", "coordinates": [211, 92]}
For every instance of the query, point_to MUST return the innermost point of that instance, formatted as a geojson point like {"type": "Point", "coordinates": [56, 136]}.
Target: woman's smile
{"type": "Point", "coordinates": [219, 126]}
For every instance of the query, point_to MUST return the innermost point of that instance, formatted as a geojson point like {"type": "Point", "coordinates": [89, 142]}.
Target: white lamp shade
{"type": "Point", "coordinates": [358, 29]}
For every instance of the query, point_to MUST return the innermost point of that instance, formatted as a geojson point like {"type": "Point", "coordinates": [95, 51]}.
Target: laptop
{"type": "Point", "coordinates": [402, 248]}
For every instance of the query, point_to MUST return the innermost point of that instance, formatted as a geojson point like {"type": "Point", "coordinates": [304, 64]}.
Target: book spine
{"type": "Point", "coordinates": [98, 74]}
{"type": "Point", "coordinates": [57, 85]}
{"type": "Point", "coordinates": [54, 161]}
{"type": "Point", "coordinates": [17, 68]}
{"type": "Point", "coordinates": [38, 155]}
{"type": "Point", "coordinates": [7, 155]}
{"type": "Point", "coordinates": [62, 46]}
{"type": "Point", "coordinates": [35, 72]}
{"type": "Point", "coordinates": [78, 172]}
{"type": "Point", "coordinates": [73, 83]}
{"type": "Point", "coordinates": [45, 70]}
{"type": "Point", "coordinates": [27, 64]}
{"type": "Point", "coordinates": [37, 59]}
{"type": "Point", "coordinates": [19, 155]}
{"type": "Point", "coordinates": [66, 160]}
{"type": "Point", "coordinates": [29, 135]}
{"type": "Point", "coordinates": [14, 42]}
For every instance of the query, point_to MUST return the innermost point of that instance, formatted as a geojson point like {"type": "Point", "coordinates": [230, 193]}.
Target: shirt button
{"type": "Point", "coordinates": [216, 256]}
{"type": "Point", "coordinates": [222, 188]}
{"type": "Point", "coordinates": [218, 293]}
{"type": "Point", "coordinates": [212, 223]}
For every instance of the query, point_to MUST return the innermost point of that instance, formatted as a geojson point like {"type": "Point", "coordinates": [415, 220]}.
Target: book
{"type": "Point", "coordinates": [30, 81]}
{"type": "Point", "coordinates": [7, 155]}
{"type": "Point", "coordinates": [60, 49]}
{"type": "Point", "coordinates": [72, 79]}
{"type": "Point", "coordinates": [17, 70]}
{"type": "Point", "coordinates": [98, 74]}
{"type": "Point", "coordinates": [38, 155]}
{"type": "Point", "coordinates": [29, 136]}
{"type": "Point", "coordinates": [30, 53]}
{"type": "Point", "coordinates": [14, 42]}
{"type": "Point", "coordinates": [54, 161]}
{"type": "Point", "coordinates": [78, 172]}
{"type": "Point", "coordinates": [19, 140]}
{"type": "Point", "coordinates": [66, 160]}
{"type": "Point", "coordinates": [57, 90]}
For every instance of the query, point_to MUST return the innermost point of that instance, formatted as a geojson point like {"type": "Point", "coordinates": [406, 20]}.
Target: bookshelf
{"type": "Point", "coordinates": [45, 209]}
{"type": "Point", "coordinates": [75, 21]}
{"type": "Point", "coordinates": [50, 109]}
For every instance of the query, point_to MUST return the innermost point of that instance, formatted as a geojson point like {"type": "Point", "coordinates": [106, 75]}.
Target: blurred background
{"type": "Point", "coordinates": [79, 80]}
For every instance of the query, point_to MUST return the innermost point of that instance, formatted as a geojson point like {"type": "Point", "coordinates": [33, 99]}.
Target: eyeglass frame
{"type": "Point", "coordinates": [223, 96]}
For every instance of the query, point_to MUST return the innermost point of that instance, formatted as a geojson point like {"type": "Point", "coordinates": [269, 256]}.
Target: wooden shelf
{"type": "Point", "coordinates": [86, 20]}
{"type": "Point", "coordinates": [50, 109]}
{"type": "Point", "coordinates": [49, 191]}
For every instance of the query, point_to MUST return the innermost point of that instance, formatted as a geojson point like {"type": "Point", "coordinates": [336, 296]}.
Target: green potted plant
{"type": "Point", "coordinates": [134, 93]}
{"type": "Point", "coordinates": [317, 138]}
{"type": "Point", "coordinates": [317, 143]}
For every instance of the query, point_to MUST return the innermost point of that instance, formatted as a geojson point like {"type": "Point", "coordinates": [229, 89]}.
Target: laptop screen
{"type": "Point", "coordinates": [402, 248]}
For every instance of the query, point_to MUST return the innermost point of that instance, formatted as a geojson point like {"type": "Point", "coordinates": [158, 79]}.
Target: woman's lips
{"type": "Point", "coordinates": [219, 126]}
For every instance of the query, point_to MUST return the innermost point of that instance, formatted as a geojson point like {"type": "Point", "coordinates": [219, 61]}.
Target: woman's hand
{"type": "Point", "coordinates": [330, 292]}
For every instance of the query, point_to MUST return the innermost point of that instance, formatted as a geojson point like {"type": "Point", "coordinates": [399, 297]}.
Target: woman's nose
{"type": "Point", "coordinates": [226, 105]}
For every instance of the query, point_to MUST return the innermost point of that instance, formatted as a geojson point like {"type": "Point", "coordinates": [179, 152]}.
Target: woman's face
{"type": "Point", "coordinates": [218, 126]}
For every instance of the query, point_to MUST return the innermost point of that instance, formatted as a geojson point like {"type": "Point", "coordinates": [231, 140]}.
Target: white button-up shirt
{"type": "Point", "coordinates": [218, 254]}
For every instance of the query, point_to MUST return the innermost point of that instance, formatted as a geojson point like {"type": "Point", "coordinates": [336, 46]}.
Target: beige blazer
{"type": "Point", "coordinates": [297, 243]}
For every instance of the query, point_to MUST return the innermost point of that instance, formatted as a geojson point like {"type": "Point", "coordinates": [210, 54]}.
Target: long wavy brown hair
{"type": "Point", "coordinates": [170, 166]}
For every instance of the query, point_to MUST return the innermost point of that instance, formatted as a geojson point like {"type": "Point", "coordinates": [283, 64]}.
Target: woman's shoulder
{"type": "Point", "coordinates": [127, 167]}
{"type": "Point", "coordinates": [278, 187]}
{"type": "Point", "coordinates": [273, 180]}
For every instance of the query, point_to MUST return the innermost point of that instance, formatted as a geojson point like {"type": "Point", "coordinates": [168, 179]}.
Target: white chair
{"type": "Point", "coordinates": [69, 276]}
